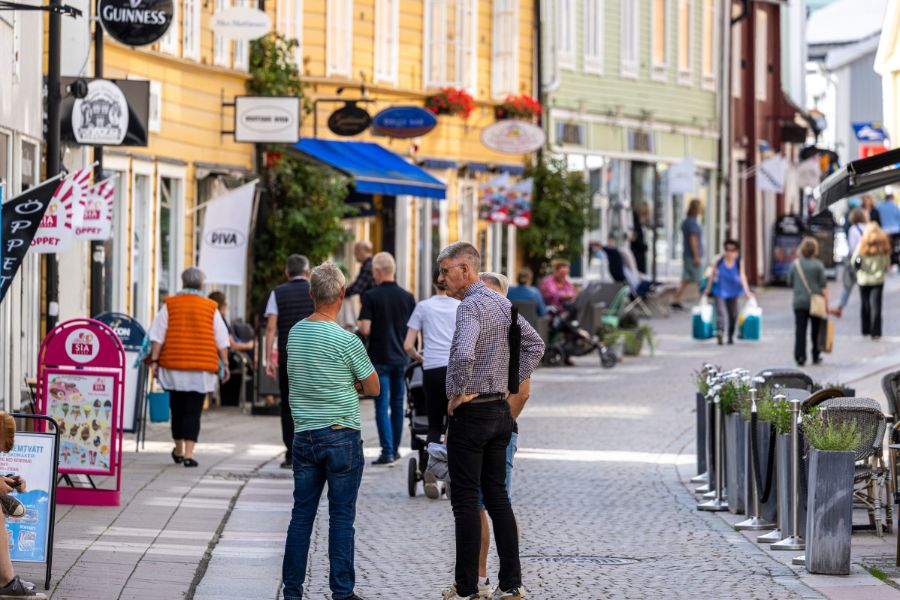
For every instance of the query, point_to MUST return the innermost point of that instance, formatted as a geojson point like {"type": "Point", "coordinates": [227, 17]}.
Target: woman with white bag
{"type": "Point", "coordinates": [727, 283]}
{"type": "Point", "coordinates": [807, 277]}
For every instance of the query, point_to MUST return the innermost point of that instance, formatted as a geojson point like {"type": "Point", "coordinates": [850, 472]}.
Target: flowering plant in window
{"type": "Point", "coordinates": [451, 101]}
{"type": "Point", "coordinates": [518, 107]}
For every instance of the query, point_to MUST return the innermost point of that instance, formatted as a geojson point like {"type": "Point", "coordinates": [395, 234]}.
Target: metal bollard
{"type": "Point", "coordinates": [710, 427]}
{"type": "Point", "coordinates": [775, 535]}
{"type": "Point", "coordinates": [718, 503]}
{"type": "Point", "coordinates": [707, 371]}
{"type": "Point", "coordinates": [754, 522]}
{"type": "Point", "coordinates": [794, 541]}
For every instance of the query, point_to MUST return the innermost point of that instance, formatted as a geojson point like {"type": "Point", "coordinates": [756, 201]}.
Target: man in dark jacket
{"type": "Point", "coordinates": [288, 303]}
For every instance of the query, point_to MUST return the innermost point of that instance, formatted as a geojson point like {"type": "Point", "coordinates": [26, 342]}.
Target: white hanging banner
{"type": "Point", "coordinates": [57, 229]}
{"type": "Point", "coordinates": [771, 173]}
{"type": "Point", "coordinates": [226, 226]}
{"type": "Point", "coordinates": [96, 222]}
{"type": "Point", "coordinates": [681, 177]}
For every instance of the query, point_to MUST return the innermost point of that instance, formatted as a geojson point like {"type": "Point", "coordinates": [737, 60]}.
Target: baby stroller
{"type": "Point", "coordinates": [417, 414]}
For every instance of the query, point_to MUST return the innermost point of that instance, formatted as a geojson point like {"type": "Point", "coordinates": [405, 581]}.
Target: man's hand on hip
{"type": "Point", "coordinates": [458, 399]}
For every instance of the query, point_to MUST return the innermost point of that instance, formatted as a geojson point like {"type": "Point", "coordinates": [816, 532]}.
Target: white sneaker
{"type": "Point", "coordinates": [452, 595]}
{"type": "Point", "coordinates": [431, 485]}
{"type": "Point", "coordinates": [486, 591]}
{"type": "Point", "coordinates": [514, 594]}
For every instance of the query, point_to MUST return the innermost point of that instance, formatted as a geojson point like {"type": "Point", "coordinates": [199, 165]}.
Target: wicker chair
{"type": "Point", "coordinates": [788, 378]}
{"type": "Point", "coordinates": [890, 383]}
{"type": "Point", "coordinates": [821, 396]}
{"type": "Point", "coordinates": [871, 474]}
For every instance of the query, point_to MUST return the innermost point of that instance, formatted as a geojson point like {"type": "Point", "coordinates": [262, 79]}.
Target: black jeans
{"type": "Point", "coordinates": [476, 452]}
{"type": "Point", "coordinates": [434, 383]}
{"type": "Point", "coordinates": [726, 306]}
{"type": "Point", "coordinates": [801, 318]}
{"type": "Point", "coordinates": [186, 409]}
{"type": "Point", "coordinates": [287, 420]}
{"type": "Point", "coordinates": [870, 307]}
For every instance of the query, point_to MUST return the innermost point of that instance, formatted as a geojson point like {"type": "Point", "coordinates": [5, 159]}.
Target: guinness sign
{"type": "Point", "coordinates": [349, 120]}
{"type": "Point", "coordinates": [136, 22]}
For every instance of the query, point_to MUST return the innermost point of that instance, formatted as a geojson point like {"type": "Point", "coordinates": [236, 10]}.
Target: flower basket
{"type": "Point", "coordinates": [451, 101]}
{"type": "Point", "coordinates": [522, 107]}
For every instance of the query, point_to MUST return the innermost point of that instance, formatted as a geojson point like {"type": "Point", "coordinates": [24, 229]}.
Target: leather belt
{"type": "Point", "coordinates": [484, 398]}
{"type": "Point", "coordinates": [337, 427]}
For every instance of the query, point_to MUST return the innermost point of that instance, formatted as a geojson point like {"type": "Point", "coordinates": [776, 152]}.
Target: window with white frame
{"type": "Point", "coordinates": [450, 47]}
{"type": "Point", "coordinates": [593, 36]}
{"type": "Point", "coordinates": [169, 42]}
{"type": "Point", "coordinates": [387, 40]}
{"type": "Point", "coordinates": [339, 38]}
{"type": "Point", "coordinates": [221, 44]}
{"type": "Point", "coordinates": [290, 24]}
{"type": "Point", "coordinates": [761, 58]}
{"type": "Point", "coordinates": [737, 50]}
{"type": "Point", "coordinates": [659, 36]}
{"type": "Point", "coordinates": [709, 44]}
{"type": "Point", "coordinates": [631, 40]}
{"type": "Point", "coordinates": [685, 40]}
{"type": "Point", "coordinates": [190, 42]}
{"type": "Point", "coordinates": [566, 24]}
{"type": "Point", "coordinates": [170, 236]}
{"type": "Point", "coordinates": [505, 48]}
{"type": "Point", "coordinates": [242, 47]}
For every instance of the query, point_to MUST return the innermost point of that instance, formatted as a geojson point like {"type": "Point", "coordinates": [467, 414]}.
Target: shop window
{"type": "Point", "coordinates": [468, 212]}
{"type": "Point", "coordinates": [709, 44]}
{"type": "Point", "coordinates": [387, 40]}
{"type": "Point", "coordinates": [141, 249]}
{"type": "Point", "coordinates": [659, 34]}
{"type": "Point", "coordinates": [170, 41]}
{"type": "Point", "coordinates": [191, 40]}
{"type": "Point", "coordinates": [221, 44]}
{"type": "Point", "coordinates": [505, 48]}
{"type": "Point", "coordinates": [566, 25]}
{"type": "Point", "coordinates": [685, 40]}
{"type": "Point", "coordinates": [290, 24]}
{"type": "Point", "coordinates": [450, 46]}
{"type": "Point", "coordinates": [29, 161]}
{"type": "Point", "coordinates": [339, 41]}
{"type": "Point", "coordinates": [242, 47]}
{"type": "Point", "coordinates": [116, 247]}
{"type": "Point", "coordinates": [168, 269]}
{"type": "Point", "coordinates": [761, 58]}
{"type": "Point", "coordinates": [593, 36]}
{"type": "Point", "coordinates": [5, 193]}
{"type": "Point", "coordinates": [630, 38]}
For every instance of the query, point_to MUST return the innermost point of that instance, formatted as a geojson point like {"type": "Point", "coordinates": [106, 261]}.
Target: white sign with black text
{"type": "Point", "coordinates": [241, 23]}
{"type": "Point", "coordinates": [226, 229]}
{"type": "Point", "coordinates": [101, 117]}
{"type": "Point", "coordinates": [267, 119]}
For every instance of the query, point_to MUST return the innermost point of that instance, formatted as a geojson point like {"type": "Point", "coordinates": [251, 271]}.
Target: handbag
{"type": "Point", "coordinates": [817, 306]}
{"type": "Point", "coordinates": [826, 336]}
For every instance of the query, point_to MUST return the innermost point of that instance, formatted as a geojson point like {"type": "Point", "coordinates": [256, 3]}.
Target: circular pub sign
{"type": "Point", "coordinates": [136, 22]}
{"type": "Point", "coordinates": [349, 120]}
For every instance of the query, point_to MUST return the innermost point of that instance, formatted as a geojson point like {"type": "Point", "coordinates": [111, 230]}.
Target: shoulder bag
{"type": "Point", "coordinates": [817, 307]}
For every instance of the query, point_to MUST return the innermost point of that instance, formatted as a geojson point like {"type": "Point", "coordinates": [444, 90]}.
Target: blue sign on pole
{"type": "Point", "coordinates": [870, 132]}
{"type": "Point", "coordinates": [403, 122]}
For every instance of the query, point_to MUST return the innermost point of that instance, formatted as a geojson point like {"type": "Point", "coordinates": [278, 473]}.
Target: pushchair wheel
{"type": "Point", "coordinates": [554, 356]}
{"type": "Point", "coordinates": [607, 357]}
{"type": "Point", "coordinates": [412, 478]}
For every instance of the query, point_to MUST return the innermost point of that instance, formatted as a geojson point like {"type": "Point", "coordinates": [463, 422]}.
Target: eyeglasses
{"type": "Point", "coordinates": [444, 271]}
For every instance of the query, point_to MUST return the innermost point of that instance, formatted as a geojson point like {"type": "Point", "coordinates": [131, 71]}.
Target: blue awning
{"type": "Point", "coordinates": [374, 169]}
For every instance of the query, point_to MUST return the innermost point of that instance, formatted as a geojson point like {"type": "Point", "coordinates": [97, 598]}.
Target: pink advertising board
{"type": "Point", "coordinates": [81, 384]}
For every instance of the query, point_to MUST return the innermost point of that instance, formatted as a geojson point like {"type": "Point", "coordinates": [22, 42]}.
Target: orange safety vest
{"type": "Point", "coordinates": [190, 340]}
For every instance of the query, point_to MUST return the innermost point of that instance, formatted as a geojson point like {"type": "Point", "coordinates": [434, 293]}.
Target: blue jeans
{"type": "Point", "coordinates": [390, 425]}
{"type": "Point", "coordinates": [511, 450]}
{"type": "Point", "coordinates": [319, 456]}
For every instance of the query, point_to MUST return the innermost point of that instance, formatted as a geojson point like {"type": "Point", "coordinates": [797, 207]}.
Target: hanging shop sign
{"type": "Point", "coordinates": [136, 22]}
{"type": "Point", "coordinates": [97, 212]}
{"type": "Point", "coordinates": [20, 221]}
{"type": "Point", "coordinates": [81, 377]}
{"type": "Point", "coordinates": [226, 230]}
{"type": "Point", "coordinates": [114, 112]}
{"type": "Point", "coordinates": [241, 23]}
{"type": "Point", "coordinates": [57, 229]}
{"type": "Point", "coordinates": [511, 136]}
{"type": "Point", "coordinates": [349, 120]}
{"type": "Point", "coordinates": [504, 202]}
{"type": "Point", "coordinates": [267, 119]}
{"type": "Point", "coordinates": [403, 122]}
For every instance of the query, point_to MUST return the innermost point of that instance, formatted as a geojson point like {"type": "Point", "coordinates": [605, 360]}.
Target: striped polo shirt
{"type": "Point", "coordinates": [323, 362]}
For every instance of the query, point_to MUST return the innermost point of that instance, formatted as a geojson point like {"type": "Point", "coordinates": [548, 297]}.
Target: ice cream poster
{"type": "Point", "coordinates": [83, 407]}
{"type": "Point", "coordinates": [32, 459]}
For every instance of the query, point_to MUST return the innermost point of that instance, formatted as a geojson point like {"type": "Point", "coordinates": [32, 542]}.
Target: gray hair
{"type": "Point", "coordinates": [192, 278]}
{"type": "Point", "coordinates": [463, 250]}
{"type": "Point", "coordinates": [498, 280]}
{"type": "Point", "coordinates": [296, 265]}
{"type": "Point", "coordinates": [384, 263]}
{"type": "Point", "coordinates": [326, 283]}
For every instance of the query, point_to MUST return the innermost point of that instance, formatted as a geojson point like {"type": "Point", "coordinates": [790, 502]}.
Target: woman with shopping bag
{"type": "Point", "coordinates": [807, 278]}
{"type": "Point", "coordinates": [726, 284]}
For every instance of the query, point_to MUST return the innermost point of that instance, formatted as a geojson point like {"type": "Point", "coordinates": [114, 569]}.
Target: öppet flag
{"type": "Point", "coordinates": [21, 217]}
{"type": "Point", "coordinates": [57, 228]}
{"type": "Point", "coordinates": [96, 222]}
{"type": "Point", "coordinates": [226, 226]}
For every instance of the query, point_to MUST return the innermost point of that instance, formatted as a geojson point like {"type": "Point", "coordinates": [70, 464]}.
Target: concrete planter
{"type": "Point", "coordinates": [701, 433]}
{"type": "Point", "coordinates": [783, 486]}
{"type": "Point", "coordinates": [765, 438]}
{"type": "Point", "coordinates": [829, 520]}
{"type": "Point", "coordinates": [735, 475]}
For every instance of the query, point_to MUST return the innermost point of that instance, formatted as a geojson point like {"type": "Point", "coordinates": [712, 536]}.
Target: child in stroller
{"type": "Point", "coordinates": [417, 415]}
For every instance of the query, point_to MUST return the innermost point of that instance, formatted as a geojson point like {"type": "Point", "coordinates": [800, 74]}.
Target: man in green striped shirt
{"type": "Point", "coordinates": [327, 367]}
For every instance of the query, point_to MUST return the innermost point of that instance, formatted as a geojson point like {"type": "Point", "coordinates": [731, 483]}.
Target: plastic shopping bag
{"type": "Point", "coordinates": [703, 321]}
{"type": "Point", "coordinates": [750, 321]}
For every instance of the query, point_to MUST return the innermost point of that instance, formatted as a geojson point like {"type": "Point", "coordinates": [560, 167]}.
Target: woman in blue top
{"type": "Point", "coordinates": [727, 283]}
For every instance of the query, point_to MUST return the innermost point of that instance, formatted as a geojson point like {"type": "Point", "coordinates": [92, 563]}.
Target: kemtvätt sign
{"type": "Point", "coordinates": [136, 22]}
{"type": "Point", "coordinates": [267, 119]}
{"type": "Point", "coordinates": [241, 23]}
{"type": "Point", "coordinates": [403, 122]}
{"type": "Point", "coordinates": [513, 137]}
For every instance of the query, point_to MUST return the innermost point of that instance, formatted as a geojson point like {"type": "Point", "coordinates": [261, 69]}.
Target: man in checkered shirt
{"type": "Point", "coordinates": [482, 414]}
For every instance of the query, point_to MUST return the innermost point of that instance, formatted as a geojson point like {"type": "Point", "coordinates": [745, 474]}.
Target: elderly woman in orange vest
{"type": "Point", "coordinates": [189, 354]}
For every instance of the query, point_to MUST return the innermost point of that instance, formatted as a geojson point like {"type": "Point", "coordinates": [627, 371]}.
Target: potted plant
{"type": "Point", "coordinates": [700, 377]}
{"type": "Point", "coordinates": [732, 396]}
{"type": "Point", "coordinates": [781, 419]}
{"type": "Point", "coordinates": [522, 107]}
{"type": "Point", "coordinates": [451, 101]}
{"type": "Point", "coordinates": [829, 517]}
